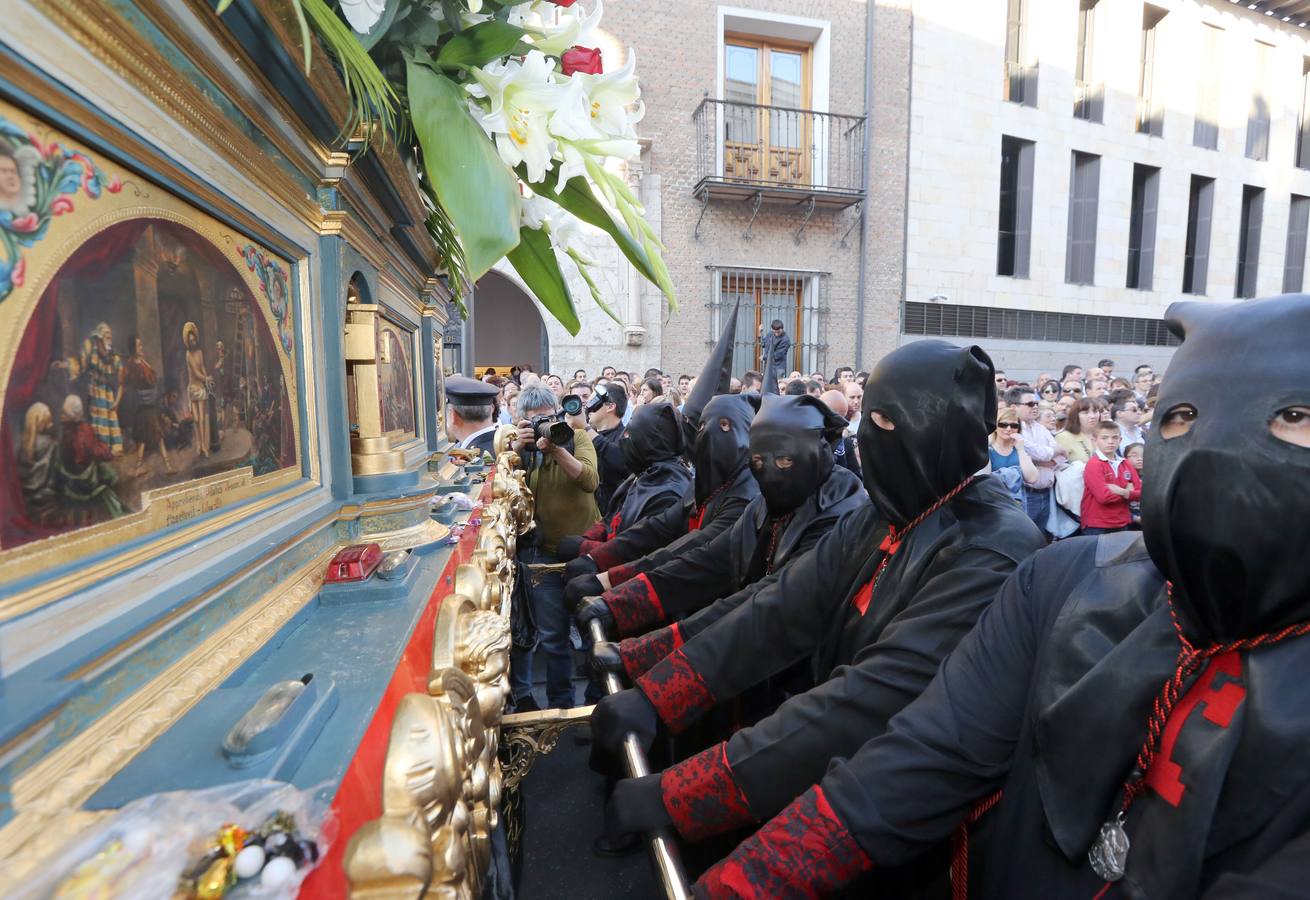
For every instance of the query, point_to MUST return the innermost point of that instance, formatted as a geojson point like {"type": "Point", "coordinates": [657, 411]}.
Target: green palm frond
{"type": "Point", "coordinates": [372, 98]}
{"type": "Point", "coordinates": [444, 235]}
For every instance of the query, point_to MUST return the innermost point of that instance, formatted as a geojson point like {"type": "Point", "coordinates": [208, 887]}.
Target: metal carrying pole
{"type": "Point", "coordinates": [663, 849]}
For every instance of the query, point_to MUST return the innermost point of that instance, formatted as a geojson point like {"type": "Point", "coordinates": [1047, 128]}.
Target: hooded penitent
{"type": "Point", "coordinates": [653, 435]}
{"type": "Point", "coordinates": [652, 447]}
{"type": "Point", "coordinates": [1223, 505]}
{"type": "Point", "coordinates": [721, 452]}
{"type": "Point", "coordinates": [791, 449]}
{"type": "Point", "coordinates": [715, 377]}
{"type": "Point", "coordinates": [942, 400]}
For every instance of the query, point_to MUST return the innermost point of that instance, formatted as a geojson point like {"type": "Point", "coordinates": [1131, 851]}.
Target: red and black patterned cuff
{"type": "Point", "coordinates": [621, 573]}
{"type": "Point", "coordinates": [676, 691]}
{"type": "Point", "coordinates": [640, 654]}
{"type": "Point", "coordinates": [605, 556]}
{"type": "Point", "coordinates": [596, 532]}
{"type": "Point", "coordinates": [702, 795]}
{"type": "Point", "coordinates": [803, 851]}
{"type": "Point", "coordinates": [635, 606]}
{"type": "Point", "coordinates": [588, 547]}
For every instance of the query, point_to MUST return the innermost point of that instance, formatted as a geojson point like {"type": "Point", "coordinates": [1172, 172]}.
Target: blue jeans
{"type": "Point", "coordinates": [547, 591]}
{"type": "Point", "coordinates": [1038, 506]}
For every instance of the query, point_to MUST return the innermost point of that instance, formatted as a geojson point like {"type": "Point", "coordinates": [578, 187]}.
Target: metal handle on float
{"type": "Point", "coordinates": [663, 849]}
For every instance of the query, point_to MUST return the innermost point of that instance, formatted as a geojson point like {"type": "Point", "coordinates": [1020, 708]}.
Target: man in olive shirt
{"type": "Point", "coordinates": [563, 482]}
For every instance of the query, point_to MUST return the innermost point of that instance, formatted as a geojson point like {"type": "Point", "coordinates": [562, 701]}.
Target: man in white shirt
{"type": "Point", "coordinates": [1042, 449]}
{"type": "Point", "coordinates": [1127, 414]}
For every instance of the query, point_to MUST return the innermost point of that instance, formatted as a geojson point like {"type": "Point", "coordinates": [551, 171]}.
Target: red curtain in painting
{"type": "Point", "coordinates": [32, 363]}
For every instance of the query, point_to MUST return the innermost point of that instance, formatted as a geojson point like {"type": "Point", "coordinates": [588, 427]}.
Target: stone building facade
{"type": "Point", "coordinates": [1159, 98]}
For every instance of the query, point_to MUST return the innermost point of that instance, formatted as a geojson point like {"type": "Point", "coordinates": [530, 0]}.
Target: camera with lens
{"type": "Point", "coordinates": [598, 399]}
{"type": "Point", "coordinates": [552, 425]}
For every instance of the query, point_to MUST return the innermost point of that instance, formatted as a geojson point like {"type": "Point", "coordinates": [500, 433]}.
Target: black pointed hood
{"type": "Point", "coordinates": [801, 430]}
{"type": "Point", "coordinates": [715, 376]}
{"type": "Point", "coordinates": [1225, 504]}
{"type": "Point", "coordinates": [942, 400]}
{"type": "Point", "coordinates": [721, 455]}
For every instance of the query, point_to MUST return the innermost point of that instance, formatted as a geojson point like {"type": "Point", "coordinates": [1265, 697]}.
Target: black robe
{"type": "Point", "coordinates": [870, 656]}
{"type": "Point", "coordinates": [756, 545]}
{"type": "Point", "coordinates": [610, 464]}
{"type": "Point", "coordinates": [1048, 700]}
{"type": "Point", "coordinates": [655, 539]}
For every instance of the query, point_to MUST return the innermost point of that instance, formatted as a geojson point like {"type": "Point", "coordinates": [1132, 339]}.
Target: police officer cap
{"type": "Point", "coordinates": [470, 392]}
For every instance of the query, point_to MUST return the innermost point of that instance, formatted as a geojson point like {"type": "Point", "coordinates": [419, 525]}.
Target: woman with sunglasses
{"type": "Point", "coordinates": [1049, 391]}
{"type": "Point", "coordinates": [1006, 451]}
{"type": "Point", "coordinates": [1080, 426]}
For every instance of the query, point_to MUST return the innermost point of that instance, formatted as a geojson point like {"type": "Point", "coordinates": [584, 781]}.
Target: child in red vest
{"type": "Point", "coordinates": [1110, 484]}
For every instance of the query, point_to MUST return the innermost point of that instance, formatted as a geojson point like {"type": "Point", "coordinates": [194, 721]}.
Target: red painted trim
{"type": "Point", "coordinates": [359, 796]}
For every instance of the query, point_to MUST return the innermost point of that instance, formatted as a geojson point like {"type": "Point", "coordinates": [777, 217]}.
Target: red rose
{"type": "Point", "coordinates": [563, 2]}
{"type": "Point", "coordinates": [61, 205]}
{"type": "Point", "coordinates": [581, 59]}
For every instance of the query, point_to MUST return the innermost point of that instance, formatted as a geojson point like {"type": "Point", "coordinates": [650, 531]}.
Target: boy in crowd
{"type": "Point", "coordinates": [1110, 484]}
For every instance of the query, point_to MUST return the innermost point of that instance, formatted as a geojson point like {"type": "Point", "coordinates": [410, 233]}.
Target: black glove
{"type": "Point", "coordinates": [569, 547]}
{"type": "Point", "coordinates": [583, 565]}
{"type": "Point", "coordinates": [618, 714]}
{"type": "Point", "coordinates": [577, 588]}
{"type": "Point", "coordinates": [636, 805]}
{"type": "Point", "coordinates": [604, 658]}
{"type": "Point", "coordinates": [593, 608]}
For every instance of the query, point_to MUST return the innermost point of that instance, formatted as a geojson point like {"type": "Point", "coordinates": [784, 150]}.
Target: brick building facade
{"type": "Point", "coordinates": [758, 197]}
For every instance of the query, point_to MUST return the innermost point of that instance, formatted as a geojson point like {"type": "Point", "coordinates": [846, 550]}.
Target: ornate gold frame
{"type": "Point", "coordinates": [442, 780]}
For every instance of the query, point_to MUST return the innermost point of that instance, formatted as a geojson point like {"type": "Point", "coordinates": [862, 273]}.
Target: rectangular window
{"type": "Point", "coordinates": [1196, 255]}
{"type": "Point", "coordinates": [1150, 114]}
{"type": "Point", "coordinates": [1088, 96]}
{"type": "Point", "coordinates": [795, 298]}
{"type": "Point", "coordinates": [1020, 76]}
{"type": "Point", "coordinates": [1248, 240]}
{"type": "Point", "coordinates": [767, 131]}
{"type": "Point", "coordinates": [1084, 187]}
{"type": "Point", "coordinates": [1014, 230]}
{"type": "Point", "coordinates": [1209, 86]}
{"type": "Point", "coordinates": [1298, 227]}
{"type": "Point", "coordinates": [1257, 119]}
{"type": "Point", "coordinates": [1141, 226]}
{"type": "Point", "coordinates": [1303, 122]}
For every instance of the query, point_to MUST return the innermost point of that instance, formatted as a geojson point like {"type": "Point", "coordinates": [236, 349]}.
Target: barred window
{"type": "Point", "coordinates": [795, 298]}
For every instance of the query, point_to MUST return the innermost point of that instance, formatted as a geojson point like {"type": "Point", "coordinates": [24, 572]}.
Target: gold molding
{"type": "Point", "coordinates": [306, 148]}
{"type": "Point", "coordinates": [66, 778]}
{"type": "Point", "coordinates": [57, 588]}
{"type": "Point", "coordinates": [105, 35]}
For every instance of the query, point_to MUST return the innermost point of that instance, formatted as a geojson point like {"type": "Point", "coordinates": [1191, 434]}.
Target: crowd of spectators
{"type": "Point", "coordinates": [1050, 445]}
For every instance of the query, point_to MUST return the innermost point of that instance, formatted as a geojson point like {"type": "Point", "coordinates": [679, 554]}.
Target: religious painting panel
{"type": "Point", "coordinates": [396, 378]}
{"type": "Point", "coordinates": [148, 356]}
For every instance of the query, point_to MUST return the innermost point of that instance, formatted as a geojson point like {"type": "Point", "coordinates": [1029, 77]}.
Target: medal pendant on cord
{"type": "Point", "coordinates": [1109, 855]}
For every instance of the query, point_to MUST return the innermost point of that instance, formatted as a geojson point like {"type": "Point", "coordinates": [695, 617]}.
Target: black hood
{"type": "Point", "coordinates": [800, 429]}
{"type": "Point", "coordinates": [715, 377]}
{"type": "Point", "coordinates": [721, 456]}
{"type": "Point", "coordinates": [1225, 506]}
{"type": "Point", "coordinates": [942, 400]}
{"type": "Point", "coordinates": [653, 434]}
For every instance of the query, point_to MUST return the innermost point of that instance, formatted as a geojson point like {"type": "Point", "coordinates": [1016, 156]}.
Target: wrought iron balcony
{"type": "Point", "coordinates": [751, 151]}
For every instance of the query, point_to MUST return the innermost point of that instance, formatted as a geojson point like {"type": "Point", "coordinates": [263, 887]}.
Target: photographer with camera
{"type": "Point", "coordinates": [605, 426]}
{"type": "Point", "coordinates": [562, 475]}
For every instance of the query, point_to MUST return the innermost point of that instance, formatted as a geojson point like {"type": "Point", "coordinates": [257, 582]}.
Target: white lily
{"type": "Point", "coordinates": [571, 26]}
{"type": "Point", "coordinates": [564, 229]}
{"type": "Point", "coordinates": [521, 97]}
{"type": "Point", "coordinates": [613, 95]}
{"type": "Point", "coordinates": [363, 14]}
{"type": "Point", "coordinates": [474, 6]}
